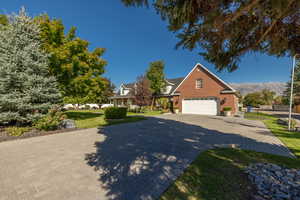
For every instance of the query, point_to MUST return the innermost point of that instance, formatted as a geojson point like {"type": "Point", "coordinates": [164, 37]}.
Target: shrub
{"type": "Point", "coordinates": [227, 109]}
{"type": "Point", "coordinates": [115, 112]}
{"type": "Point", "coordinates": [51, 121]}
{"type": "Point", "coordinates": [87, 107]}
{"type": "Point", "coordinates": [16, 131]}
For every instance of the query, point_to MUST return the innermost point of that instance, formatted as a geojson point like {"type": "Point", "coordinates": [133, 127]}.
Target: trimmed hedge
{"type": "Point", "coordinates": [115, 113]}
{"type": "Point", "coordinates": [227, 108]}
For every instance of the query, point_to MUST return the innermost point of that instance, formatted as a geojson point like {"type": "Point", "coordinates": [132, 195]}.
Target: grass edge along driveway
{"type": "Point", "coordinates": [291, 139]}
{"type": "Point", "coordinates": [95, 118]}
{"type": "Point", "coordinates": [219, 174]}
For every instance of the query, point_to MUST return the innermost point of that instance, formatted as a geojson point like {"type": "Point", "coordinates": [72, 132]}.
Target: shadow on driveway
{"type": "Point", "coordinates": [138, 161]}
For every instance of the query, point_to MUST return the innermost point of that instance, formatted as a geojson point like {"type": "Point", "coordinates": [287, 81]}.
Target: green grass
{"type": "Point", "coordinates": [95, 118]}
{"type": "Point", "coordinates": [218, 175]}
{"type": "Point", "coordinates": [290, 138]}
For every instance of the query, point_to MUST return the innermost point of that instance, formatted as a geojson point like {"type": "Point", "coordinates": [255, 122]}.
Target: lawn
{"type": "Point", "coordinates": [95, 118]}
{"type": "Point", "coordinates": [217, 174]}
{"type": "Point", "coordinates": [290, 138]}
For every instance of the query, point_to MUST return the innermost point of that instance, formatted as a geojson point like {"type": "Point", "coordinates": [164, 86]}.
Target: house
{"type": "Point", "coordinates": [199, 92]}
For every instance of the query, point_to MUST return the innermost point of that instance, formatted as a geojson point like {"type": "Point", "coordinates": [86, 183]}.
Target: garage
{"type": "Point", "coordinates": [200, 106]}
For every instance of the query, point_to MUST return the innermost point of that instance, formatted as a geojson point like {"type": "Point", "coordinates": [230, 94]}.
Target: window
{"type": "Point", "coordinates": [199, 83]}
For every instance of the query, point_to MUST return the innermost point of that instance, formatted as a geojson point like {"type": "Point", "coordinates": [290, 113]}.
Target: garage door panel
{"type": "Point", "coordinates": [202, 107]}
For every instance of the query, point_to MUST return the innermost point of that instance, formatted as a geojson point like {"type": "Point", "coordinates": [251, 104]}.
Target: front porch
{"type": "Point", "coordinates": [122, 100]}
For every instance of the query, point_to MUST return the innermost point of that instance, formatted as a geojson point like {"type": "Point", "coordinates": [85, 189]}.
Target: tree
{"type": "Point", "coordinates": [109, 89]}
{"type": "Point", "coordinates": [296, 88]}
{"type": "Point", "coordinates": [228, 29]}
{"type": "Point", "coordinates": [143, 93]}
{"type": "Point", "coordinates": [268, 96]}
{"type": "Point", "coordinates": [27, 91]}
{"type": "Point", "coordinates": [3, 19]}
{"type": "Point", "coordinates": [77, 70]}
{"type": "Point", "coordinates": [156, 76]}
{"type": "Point", "coordinates": [254, 99]}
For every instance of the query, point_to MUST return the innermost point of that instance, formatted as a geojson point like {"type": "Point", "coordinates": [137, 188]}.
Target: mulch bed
{"type": "Point", "coordinates": [4, 136]}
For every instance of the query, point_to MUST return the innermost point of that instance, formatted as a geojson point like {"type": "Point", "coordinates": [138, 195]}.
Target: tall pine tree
{"type": "Point", "coordinates": [296, 88]}
{"type": "Point", "coordinates": [27, 90]}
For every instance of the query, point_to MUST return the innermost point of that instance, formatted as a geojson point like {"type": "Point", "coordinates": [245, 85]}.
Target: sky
{"type": "Point", "coordinates": [134, 37]}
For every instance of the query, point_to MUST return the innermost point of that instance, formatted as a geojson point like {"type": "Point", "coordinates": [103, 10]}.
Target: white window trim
{"type": "Point", "coordinates": [198, 85]}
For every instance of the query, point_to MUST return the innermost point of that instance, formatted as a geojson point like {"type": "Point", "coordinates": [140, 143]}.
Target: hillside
{"type": "Point", "coordinates": [245, 88]}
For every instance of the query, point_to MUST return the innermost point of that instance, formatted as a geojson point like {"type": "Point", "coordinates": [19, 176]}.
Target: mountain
{"type": "Point", "coordinates": [246, 88]}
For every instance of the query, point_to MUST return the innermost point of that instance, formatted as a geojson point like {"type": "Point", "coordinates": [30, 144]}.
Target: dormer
{"type": "Point", "coordinates": [124, 90]}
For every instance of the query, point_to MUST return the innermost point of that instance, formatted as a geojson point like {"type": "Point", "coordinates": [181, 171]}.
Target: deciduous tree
{"type": "Point", "coordinates": [254, 99]}
{"type": "Point", "coordinates": [156, 76]}
{"type": "Point", "coordinates": [228, 29]}
{"type": "Point", "coordinates": [77, 69]}
{"type": "Point", "coordinates": [143, 93]}
{"type": "Point", "coordinates": [3, 19]}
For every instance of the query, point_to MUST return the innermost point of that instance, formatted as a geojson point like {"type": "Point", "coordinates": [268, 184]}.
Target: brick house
{"type": "Point", "coordinates": [200, 92]}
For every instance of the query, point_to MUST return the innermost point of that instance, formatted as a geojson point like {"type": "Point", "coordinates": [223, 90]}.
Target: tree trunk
{"type": "Point", "coordinates": [152, 104]}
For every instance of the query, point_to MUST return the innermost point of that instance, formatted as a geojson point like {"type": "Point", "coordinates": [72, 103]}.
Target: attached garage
{"type": "Point", "coordinates": [200, 106]}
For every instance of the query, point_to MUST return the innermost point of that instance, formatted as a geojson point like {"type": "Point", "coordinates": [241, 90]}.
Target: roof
{"type": "Point", "coordinates": [229, 88]}
{"type": "Point", "coordinates": [176, 82]}
{"type": "Point", "coordinates": [129, 85]}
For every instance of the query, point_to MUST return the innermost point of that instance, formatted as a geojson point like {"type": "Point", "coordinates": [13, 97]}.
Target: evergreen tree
{"type": "Point", "coordinates": [229, 29]}
{"type": "Point", "coordinates": [296, 88]}
{"type": "Point", "coordinates": [27, 90]}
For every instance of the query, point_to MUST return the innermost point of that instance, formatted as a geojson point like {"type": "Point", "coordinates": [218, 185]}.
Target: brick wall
{"type": "Point", "coordinates": [212, 87]}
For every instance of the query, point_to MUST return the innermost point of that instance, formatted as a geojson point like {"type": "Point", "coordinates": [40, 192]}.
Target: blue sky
{"type": "Point", "coordinates": [134, 37]}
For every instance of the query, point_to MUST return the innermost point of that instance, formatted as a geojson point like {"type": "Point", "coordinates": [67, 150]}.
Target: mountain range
{"type": "Point", "coordinates": [246, 88]}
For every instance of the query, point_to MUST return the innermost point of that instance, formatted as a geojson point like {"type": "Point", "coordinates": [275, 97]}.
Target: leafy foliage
{"type": "Point", "coordinates": [3, 19]}
{"type": "Point", "coordinates": [16, 131]}
{"type": "Point", "coordinates": [228, 29]}
{"type": "Point", "coordinates": [27, 90]}
{"type": "Point", "coordinates": [115, 113]}
{"type": "Point", "coordinates": [51, 121]}
{"type": "Point", "coordinates": [264, 97]}
{"type": "Point", "coordinates": [268, 96]}
{"type": "Point", "coordinates": [253, 99]}
{"type": "Point", "coordinates": [156, 76]}
{"type": "Point", "coordinates": [143, 93]}
{"type": "Point", "coordinates": [108, 91]}
{"type": "Point", "coordinates": [77, 70]}
{"type": "Point", "coordinates": [227, 109]}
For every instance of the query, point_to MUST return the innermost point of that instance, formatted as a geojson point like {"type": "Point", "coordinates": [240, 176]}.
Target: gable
{"type": "Point", "coordinates": [210, 81]}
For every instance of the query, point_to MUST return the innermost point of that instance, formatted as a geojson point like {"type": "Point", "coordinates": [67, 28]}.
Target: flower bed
{"type": "Point", "coordinates": [4, 136]}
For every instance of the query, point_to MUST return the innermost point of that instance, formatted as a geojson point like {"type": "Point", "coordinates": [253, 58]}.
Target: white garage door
{"type": "Point", "coordinates": [202, 107]}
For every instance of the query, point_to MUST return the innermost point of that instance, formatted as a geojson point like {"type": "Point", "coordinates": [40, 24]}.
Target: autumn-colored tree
{"type": "Point", "coordinates": [143, 93]}
{"type": "Point", "coordinates": [77, 70]}
{"type": "Point", "coordinates": [228, 29]}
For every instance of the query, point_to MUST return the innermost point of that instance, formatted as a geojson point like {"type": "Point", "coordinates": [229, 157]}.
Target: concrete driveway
{"type": "Point", "coordinates": [124, 162]}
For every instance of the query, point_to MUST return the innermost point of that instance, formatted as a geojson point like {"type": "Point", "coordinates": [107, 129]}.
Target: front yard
{"type": "Point", "coordinates": [290, 138]}
{"type": "Point", "coordinates": [95, 118]}
{"type": "Point", "coordinates": [219, 173]}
